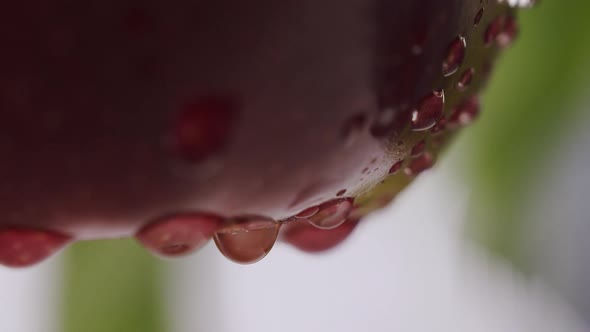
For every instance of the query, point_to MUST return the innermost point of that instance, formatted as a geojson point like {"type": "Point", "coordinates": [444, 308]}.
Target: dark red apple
{"type": "Point", "coordinates": [185, 120]}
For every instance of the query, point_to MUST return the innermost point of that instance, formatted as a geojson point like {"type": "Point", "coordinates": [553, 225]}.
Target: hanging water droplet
{"type": "Point", "coordinates": [24, 247]}
{"type": "Point", "coordinates": [203, 127]}
{"type": "Point", "coordinates": [466, 112]}
{"type": "Point", "coordinates": [418, 149]}
{"type": "Point", "coordinates": [309, 212]}
{"type": "Point", "coordinates": [502, 31]}
{"type": "Point", "coordinates": [419, 165]}
{"type": "Point", "coordinates": [428, 111]}
{"type": "Point", "coordinates": [508, 33]}
{"type": "Point", "coordinates": [308, 238]}
{"type": "Point", "coordinates": [332, 214]}
{"type": "Point", "coordinates": [178, 235]}
{"type": "Point", "coordinates": [247, 240]}
{"type": "Point", "coordinates": [440, 126]}
{"type": "Point", "coordinates": [493, 30]}
{"type": "Point", "coordinates": [465, 79]}
{"type": "Point", "coordinates": [455, 56]}
{"type": "Point", "coordinates": [396, 167]}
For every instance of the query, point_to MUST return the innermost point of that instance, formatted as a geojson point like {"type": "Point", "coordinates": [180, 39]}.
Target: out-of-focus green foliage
{"type": "Point", "coordinates": [112, 286]}
{"type": "Point", "coordinates": [527, 106]}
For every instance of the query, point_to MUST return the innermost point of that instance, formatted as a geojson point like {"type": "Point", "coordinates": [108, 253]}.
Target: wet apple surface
{"type": "Point", "coordinates": [226, 119]}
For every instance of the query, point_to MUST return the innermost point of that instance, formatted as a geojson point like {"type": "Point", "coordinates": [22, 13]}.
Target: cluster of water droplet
{"type": "Point", "coordinates": [434, 120]}
{"type": "Point", "coordinates": [242, 239]}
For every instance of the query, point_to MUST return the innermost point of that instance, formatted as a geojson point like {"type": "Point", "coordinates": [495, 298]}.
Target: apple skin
{"type": "Point", "coordinates": [115, 113]}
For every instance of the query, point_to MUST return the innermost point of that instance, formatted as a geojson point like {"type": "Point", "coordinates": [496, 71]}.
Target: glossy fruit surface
{"type": "Point", "coordinates": [119, 113]}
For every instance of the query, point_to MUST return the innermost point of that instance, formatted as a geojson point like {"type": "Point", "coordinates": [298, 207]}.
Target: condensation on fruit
{"type": "Point", "coordinates": [478, 17]}
{"type": "Point", "coordinates": [439, 127]}
{"type": "Point", "coordinates": [24, 247]}
{"type": "Point", "coordinates": [502, 31]}
{"type": "Point", "coordinates": [180, 234]}
{"type": "Point", "coordinates": [332, 214]}
{"type": "Point", "coordinates": [418, 149]}
{"type": "Point", "coordinates": [307, 213]}
{"type": "Point", "coordinates": [455, 56]}
{"type": "Point", "coordinates": [465, 113]}
{"type": "Point", "coordinates": [308, 238]}
{"type": "Point", "coordinates": [428, 111]}
{"type": "Point", "coordinates": [420, 164]}
{"type": "Point", "coordinates": [465, 80]}
{"type": "Point", "coordinates": [396, 167]}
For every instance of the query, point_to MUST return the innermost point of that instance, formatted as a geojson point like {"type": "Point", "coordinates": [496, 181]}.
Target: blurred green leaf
{"type": "Point", "coordinates": [112, 286]}
{"type": "Point", "coordinates": [527, 107]}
